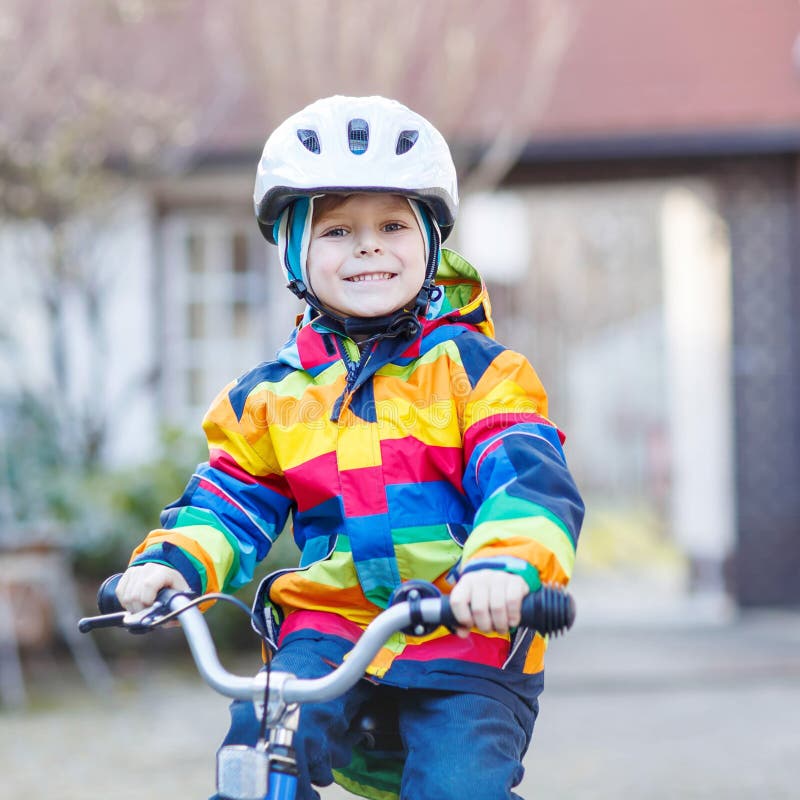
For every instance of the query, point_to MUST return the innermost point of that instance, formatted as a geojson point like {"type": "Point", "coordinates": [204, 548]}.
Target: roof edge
{"type": "Point", "coordinates": [721, 143]}
{"type": "Point", "coordinates": [659, 146]}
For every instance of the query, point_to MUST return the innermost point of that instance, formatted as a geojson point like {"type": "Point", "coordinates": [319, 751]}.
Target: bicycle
{"type": "Point", "coordinates": [268, 771]}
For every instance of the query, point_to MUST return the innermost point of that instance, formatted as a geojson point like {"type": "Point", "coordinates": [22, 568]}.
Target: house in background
{"type": "Point", "coordinates": [703, 100]}
{"type": "Point", "coordinates": [655, 286]}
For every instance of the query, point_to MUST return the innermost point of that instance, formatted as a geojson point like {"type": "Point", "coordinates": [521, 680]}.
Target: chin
{"type": "Point", "coordinates": [373, 309]}
{"type": "Point", "coordinates": [380, 312]}
{"type": "Point", "coordinates": [368, 308]}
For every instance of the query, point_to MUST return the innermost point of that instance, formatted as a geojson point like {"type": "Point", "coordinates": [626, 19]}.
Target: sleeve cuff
{"type": "Point", "coordinates": [510, 564]}
{"type": "Point", "coordinates": [174, 558]}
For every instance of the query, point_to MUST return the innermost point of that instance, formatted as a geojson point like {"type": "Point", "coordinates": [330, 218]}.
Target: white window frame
{"type": "Point", "coordinates": [218, 356]}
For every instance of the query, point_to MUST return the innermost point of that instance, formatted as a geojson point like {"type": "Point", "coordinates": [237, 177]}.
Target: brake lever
{"type": "Point", "coordinates": [145, 620]}
{"type": "Point", "coordinates": [148, 618]}
{"type": "Point", "coordinates": [86, 624]}
{"type": "Point", "coordinates": [135, 622]}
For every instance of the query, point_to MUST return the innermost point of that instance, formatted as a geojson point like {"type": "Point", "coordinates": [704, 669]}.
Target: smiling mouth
{"type": "Point", "coordinates": [371, 276]}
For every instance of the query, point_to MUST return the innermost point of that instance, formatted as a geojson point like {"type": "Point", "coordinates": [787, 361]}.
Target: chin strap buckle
{"type": "Point", "coordinates": [406, 325]}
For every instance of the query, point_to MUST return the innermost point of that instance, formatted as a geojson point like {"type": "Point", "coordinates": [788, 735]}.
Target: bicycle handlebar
{"type": "Point", "coordinates": [550, 610]}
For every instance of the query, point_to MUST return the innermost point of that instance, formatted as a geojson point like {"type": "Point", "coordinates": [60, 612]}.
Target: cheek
{"type": "Point", "coordinates": [417, 273]}
{"type": "Point", "coordinates": [320, 263]}
{"type": "Point", "coordinates": [417, 257]}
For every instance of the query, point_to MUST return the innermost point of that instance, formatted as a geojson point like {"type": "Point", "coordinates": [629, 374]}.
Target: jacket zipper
{"type": "Point", "coordinates": [354, 369]}
{"type": "Point", "coordinates": [262, 593]}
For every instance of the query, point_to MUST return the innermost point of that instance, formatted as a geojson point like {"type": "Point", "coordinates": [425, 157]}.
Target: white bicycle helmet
{"type": "Point", "coordinates": [355, 144]}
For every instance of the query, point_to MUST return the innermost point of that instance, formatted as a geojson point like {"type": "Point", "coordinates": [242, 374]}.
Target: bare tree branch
{"type": "Point", "coordinates": [549, 27]}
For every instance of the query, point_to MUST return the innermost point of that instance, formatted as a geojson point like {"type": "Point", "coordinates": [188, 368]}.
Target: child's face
{"type": "Point", "coordinates": [366, 256]}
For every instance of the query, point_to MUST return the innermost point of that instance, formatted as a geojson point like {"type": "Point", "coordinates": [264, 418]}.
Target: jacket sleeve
{"type": "Point", "coordinates": [516, 475]}
{"type": "Point", "coordinates": [233, 508]}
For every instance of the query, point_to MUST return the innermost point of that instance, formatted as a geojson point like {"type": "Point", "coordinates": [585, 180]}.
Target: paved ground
{"type": "Point", "coordinates": [700, 709]}
{"type": "Point", "coordinates": [702, 712]}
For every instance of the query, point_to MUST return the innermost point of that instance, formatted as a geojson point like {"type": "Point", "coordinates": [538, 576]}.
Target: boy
{"type": "Point", "coordinates": [405, 443]}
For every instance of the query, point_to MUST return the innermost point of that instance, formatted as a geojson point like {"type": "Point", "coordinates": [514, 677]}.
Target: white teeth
{"type": "Point", "coordinates": [373, 276]}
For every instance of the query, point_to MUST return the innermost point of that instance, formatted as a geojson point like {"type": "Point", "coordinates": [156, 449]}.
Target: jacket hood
{"type": "Point", "coordinates": [464, 293]}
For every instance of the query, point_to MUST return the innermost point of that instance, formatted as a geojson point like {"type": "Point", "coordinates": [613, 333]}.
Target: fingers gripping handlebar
{"type": "Point", "coordinates": [550, 610]}
{"type": "Point", "coordinates": [113, 615]}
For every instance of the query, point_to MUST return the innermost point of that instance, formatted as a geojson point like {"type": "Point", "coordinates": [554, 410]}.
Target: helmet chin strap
{"type": "Point", "coordinates": [403, 323]}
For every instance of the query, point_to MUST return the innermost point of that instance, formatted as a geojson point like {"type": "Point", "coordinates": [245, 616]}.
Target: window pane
{"type": "Point", "coordinates": [241, 320]}
{"type": "Point", "coordinates": [240, 257]}
{"type": "Point", "coordinates": [195, 395]}
{"type": "Point", "coordinates": [195, 320]}
{"type": "Point", "coordinates": [196, 253]}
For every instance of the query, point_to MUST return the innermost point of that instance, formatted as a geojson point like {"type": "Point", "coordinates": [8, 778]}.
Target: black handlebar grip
{"type": "Point", "coordinates": [107, 600]}
{"type": "Point", "coordinates": [549, 611]}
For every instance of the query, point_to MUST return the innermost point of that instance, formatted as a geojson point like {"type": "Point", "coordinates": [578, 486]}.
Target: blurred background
{"type": "Point", "coordinates": [629, 179]}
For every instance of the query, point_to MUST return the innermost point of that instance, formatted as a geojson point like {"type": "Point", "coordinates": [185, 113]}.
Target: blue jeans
{"type": "Point", "coordinates": [458, 745]}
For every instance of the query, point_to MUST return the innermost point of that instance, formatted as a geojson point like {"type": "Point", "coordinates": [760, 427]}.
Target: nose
{"type": "Point", "coordinates": [367, 243]}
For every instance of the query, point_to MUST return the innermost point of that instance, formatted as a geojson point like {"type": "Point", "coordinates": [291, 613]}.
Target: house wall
{"type": "Point", "coordinates": [757, 201]}
{"type": "Point", "coordinates": [78, 363]}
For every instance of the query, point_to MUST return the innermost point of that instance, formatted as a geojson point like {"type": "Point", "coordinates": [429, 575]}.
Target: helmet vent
{"type": "Point", "coordinates": [405, 141]}
{"type": "Point", "coordinates": [309, 139]}
{"type": "Point", "coordinates": [358, 136]}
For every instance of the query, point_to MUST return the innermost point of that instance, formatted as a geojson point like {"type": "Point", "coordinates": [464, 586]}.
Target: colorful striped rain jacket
{"type": "Point", "coordinates": [404, 461]}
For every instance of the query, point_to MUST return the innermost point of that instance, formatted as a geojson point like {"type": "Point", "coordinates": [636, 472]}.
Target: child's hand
{"type": "Point", "coordinates": [138, 587]}
{"type": "Point", "coordinates": [488, 599]}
